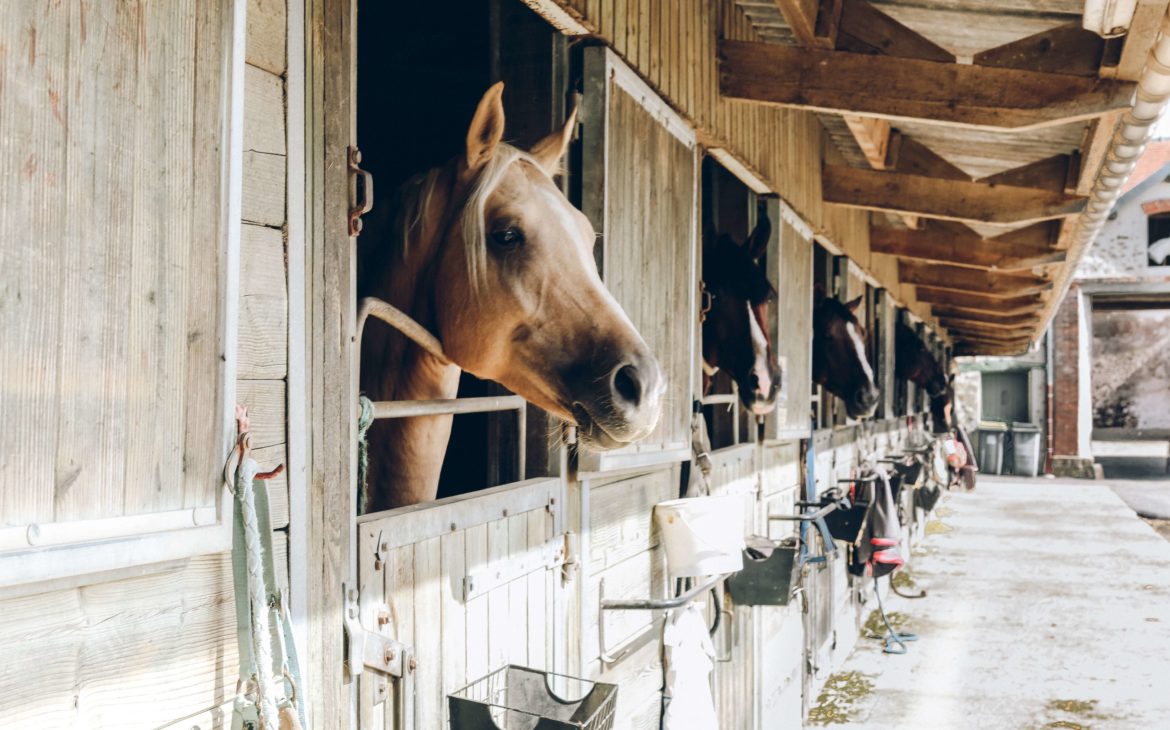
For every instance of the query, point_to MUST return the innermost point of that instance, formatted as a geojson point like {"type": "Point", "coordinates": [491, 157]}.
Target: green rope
{"type": "Point", "coordinates": [365, 420]}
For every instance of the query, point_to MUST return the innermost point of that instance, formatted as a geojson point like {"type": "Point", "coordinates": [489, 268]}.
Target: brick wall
{"type": "Point", "coordinates": [1066, 375]}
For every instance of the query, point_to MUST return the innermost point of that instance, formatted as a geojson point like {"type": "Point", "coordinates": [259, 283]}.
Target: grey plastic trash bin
{"type": "Point", "coordinates": [1026, 457]}
{"type": "Point", "coordinates": [992, 435]}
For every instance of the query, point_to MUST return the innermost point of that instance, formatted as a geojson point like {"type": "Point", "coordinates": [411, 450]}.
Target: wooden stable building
{"type": "Point", "coordinates": [176, 238]}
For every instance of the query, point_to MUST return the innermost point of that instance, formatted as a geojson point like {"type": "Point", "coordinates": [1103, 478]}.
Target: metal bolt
{"type": "Point", "coordinates": [552, 500]}
{"type": "Point", "coordinates": [389, 655]}
{"type": "Point", "coordinates": [505, 513]}
{"type": "Point", "coordinates": [412, 664]}
{"type": "Point", "coordinates": [452, 527]}
{"type": "Point", "coordinates": [383, 616]}
{"type": "Point", "coordinates": [377, 563]}
{"type": "Point", "coordinates": [385, 546]}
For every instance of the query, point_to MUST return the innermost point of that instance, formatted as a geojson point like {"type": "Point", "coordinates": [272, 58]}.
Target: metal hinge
{"type": "Point", "coordinates": [371, 650]}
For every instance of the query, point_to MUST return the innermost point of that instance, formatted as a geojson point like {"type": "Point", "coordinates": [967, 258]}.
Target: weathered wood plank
{"type": "Point", "coordinates": [82, 657]}
{"type": "Point", "coordinates": [947, 199]}
{"type": "Point", "coordinates": [267, 28]}
{"type": "Point", "coordinates": [965, 279]}
{"type": "Point", "coordinates": [621, 517]}
{"type": "Point", "coordinates": [263, 328]}
{"type": "Point", "coordinates": [429, 635]}
{"type": "Point", "coordinates": [865, 29]}
{"type": "Point", "coordinates": [974, 300]}
{"type": "Point", "coordinates": [957, 244]}
{"type": "Point", "coordinates": [1050, 173]}
{"type": "Point", "coordinates": [1065, 49]}
{"type": "Point", "coordinates": [946, 93]}
{"type": "Point", "coordinates": [264, 186]}
{"type": "Point", "coordinates": [32, 167]}
{"type": "Point", "coordinates": [263, 111]}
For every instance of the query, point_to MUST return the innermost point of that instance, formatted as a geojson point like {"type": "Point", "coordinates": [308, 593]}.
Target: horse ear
{"type": "Point", "coordinates": [757, 243]}
{"type": "Point", "coordinates": [487, 128]}
{"type": "Point", "coordinates": [853, 304]}
{"type": "Point", "coordinates": [550, 150]}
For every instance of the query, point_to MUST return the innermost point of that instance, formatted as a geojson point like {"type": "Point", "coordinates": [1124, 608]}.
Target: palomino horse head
{"type": "Point", "coordinates": [735, 330]}
{"type": "Point", "coordinates": [839, 361]}
{"type": "Point", "coordinates": [499, 266]}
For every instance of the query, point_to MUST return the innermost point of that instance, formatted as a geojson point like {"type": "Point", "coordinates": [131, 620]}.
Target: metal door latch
{"type": "Point", "coordinates": [365, 191]}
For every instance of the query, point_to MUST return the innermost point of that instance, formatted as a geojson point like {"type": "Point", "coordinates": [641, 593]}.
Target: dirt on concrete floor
{"type": "Point", "coordinates": [1162, 527]}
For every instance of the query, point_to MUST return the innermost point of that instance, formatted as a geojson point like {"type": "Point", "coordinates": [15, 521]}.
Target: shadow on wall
{"type": "Point", "coordinates": [1131, 369]}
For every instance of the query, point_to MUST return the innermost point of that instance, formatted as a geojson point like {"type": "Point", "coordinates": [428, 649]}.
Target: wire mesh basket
{"type": "Point", "coordinates": [519, 698]}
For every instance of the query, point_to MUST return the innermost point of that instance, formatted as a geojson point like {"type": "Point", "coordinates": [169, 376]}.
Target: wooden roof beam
{"type": "Point", "coordinates": [932, 197]}
{"type": "Point", "coordinates": [813, 22]}
{"type": "Point", "coordinates": [964, 279]}
{"type": "Point", "coordinates": [865, 29]}
{"type": "Point", "coordinates": [969, 325]}
{"type": "Point", "coordinates": [1015, 315]}
{"type": "Point", "coordinates": [1059, 173]}
{"type": "Point", "coordinates": [954, 243]}
{"type": "Point", "coordinates": [974, 300]}
{"type": "Point", "coordinates": [911, 88]}
{"type": "Point", "coordinates": [1065, 49]}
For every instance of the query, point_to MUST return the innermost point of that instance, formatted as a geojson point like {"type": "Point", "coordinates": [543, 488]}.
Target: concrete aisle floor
{"type": "Point", "coordinates": [1048, 607]}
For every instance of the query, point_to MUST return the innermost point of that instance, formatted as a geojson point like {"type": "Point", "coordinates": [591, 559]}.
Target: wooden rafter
{"type": "Point", "coordinates": [1059, 173]}
{"type": "Point", "coordinates": [813, 22]}
{"type": "Point", "coordinates": [1015, 315]}
{"type": "Point", "coordinates": [954, 243]}
{"type": "Point", "coordinates": [865, 29]}
{"type": "Point", "coordinates": [910, 88]}
{"type": "Point", "coordinates": [971, 325]}
{"type": "Point", "coordinates": [964, 279]}
{"type": "Point", "coordinates": [1065, 49]}
{"type": "Point", "coordinates": [974, 300]}
{"type": "Point", "coordinates": [931, 197]}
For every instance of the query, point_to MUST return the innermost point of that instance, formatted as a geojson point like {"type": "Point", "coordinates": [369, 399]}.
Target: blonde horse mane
{"type": "Point", "coordinates": [416, 199]}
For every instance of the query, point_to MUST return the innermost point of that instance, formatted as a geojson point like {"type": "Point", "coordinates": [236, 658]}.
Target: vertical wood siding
{"type": "Point", "coordinates": [119, 221]}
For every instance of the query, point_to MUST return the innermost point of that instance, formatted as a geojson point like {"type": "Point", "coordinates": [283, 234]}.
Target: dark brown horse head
{"type": "Point", "coordinates": [914, 362]}
{"type": "Point", "coordinates": [839, 360]}
{"type": "Point", "coordinates": [735, 330]}
{"type": "Point", "coordinates": [941, 405]}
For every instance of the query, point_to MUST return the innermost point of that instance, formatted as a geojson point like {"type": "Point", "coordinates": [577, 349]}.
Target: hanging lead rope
{"type": "Point", "coordinates": [365, 420]}
{"type": "Point", "coordinates": [260, 701]}
{"type": "Point", "coordinates": [261, 648]}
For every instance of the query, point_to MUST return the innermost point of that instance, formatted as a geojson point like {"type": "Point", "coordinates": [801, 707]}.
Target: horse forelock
{"type": "Point", "coordinates": [417, 194]}
{"type": "Point", "coordinates": [471, 217]}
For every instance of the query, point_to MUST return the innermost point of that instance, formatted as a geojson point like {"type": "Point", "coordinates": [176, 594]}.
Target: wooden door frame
{"type": "Point", "coordinates": [327, 368]}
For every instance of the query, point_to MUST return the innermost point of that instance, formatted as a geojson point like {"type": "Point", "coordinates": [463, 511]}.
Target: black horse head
{"type": "Point", "coordinates": [735, 329]}
{"type": "Point", "coordinates": [839, 360]}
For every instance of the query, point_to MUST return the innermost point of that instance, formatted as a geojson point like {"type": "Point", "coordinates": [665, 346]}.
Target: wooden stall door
{"type": "Point", "coordinates": [639, 190]}
{"type": "Point", "coordinates": [734, 472]}
{"type": "Point", "coordinates": [470, 584]}
{"type": "Point", "coordinates": [118, 246]}
{"type": "Point", "coordinates": [790, 271]}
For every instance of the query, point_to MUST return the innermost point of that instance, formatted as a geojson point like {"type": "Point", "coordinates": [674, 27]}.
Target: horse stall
{"type": "Point", "coordinates": [470, 490]}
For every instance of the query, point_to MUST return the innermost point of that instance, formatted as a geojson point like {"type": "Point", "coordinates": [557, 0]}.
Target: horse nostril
{"type": "Point", "coordinates": [627, 383]}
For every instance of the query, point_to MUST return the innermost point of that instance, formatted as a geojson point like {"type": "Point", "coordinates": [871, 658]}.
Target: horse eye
{"type": "Point", "coordinates": [507, 238]}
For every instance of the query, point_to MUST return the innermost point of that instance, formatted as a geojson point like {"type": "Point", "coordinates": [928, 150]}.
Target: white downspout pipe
{"type": "Point", "coordinates": [1129, 142]}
